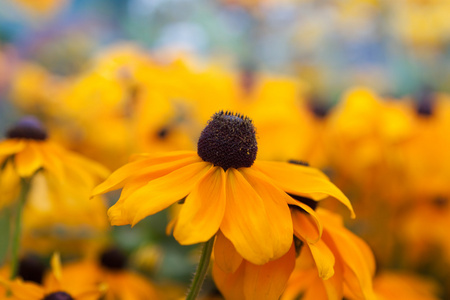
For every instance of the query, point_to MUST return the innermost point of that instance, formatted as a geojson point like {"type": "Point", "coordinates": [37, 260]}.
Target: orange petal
{"type": "Point", "coordinates": [51, 160]}
{"type": "Point", "coordinates": [303, 181]}
{"type": "Point", "coordinates": [278, 213]}
{"type": "Point", "coordinates": [11, 146]}
{"type": "Point", "coordinates": [154, 167]}
{"type": "Point", "coordinates": [245, 222]}
{"type": "Point", "coordinates": [203, 210]}
{"type": "Point", "coordinates": [268, 281]}
{"type": "Point", "coordinates": [357, 265]}
{"type": "Point", "coordinates": [158, 194]}
{"type": "Point", "coordinates": [225, 255]}
{"type": "Point", "coordinates": [230, 284]}
{"type": "Point", "coordinates": [28, 160]}
{"type": "Point", "coordinates": [324, 259]}
{"type": "Point", "coordinates": [305, 226]}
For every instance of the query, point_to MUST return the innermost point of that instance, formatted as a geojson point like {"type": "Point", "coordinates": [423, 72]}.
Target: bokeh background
{"type": "Point", "coordinates": [357, 88]}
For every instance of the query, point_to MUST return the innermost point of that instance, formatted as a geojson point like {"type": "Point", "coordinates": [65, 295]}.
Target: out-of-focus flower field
{"type": "Point", "coordinates": [156, 103]}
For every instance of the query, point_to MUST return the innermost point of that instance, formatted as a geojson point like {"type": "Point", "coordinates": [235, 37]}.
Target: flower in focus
{"type": "Point", "coordinates": [110, 269]}
{"type": "Point", "coordinates": [223, 188]}
{"type": "Point", "coordinates": [338, 264]}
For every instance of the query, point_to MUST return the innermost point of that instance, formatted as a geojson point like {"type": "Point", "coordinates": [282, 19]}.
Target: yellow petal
{"type": "Point", "coordinates": [302, 181]}
{"type": "Point", "coordinates": [51, 161]}
{"type": "Point", "coordinates": [11, 146]}
{"type": "Point", "coordinates": [356, 261]}
{"type": "Point", "coordinates": [245, 222]}
{"type": "Point", "coordinates": [28, 160]}
{"type": "Point", "coordinates": [230, 284]}
{"type": "Point", "coordinates": [268, 281]}
{"type": "Point", "coordinates": [203, 209]}
{"type": "Point", "coordinates": [158, 194]}
{"type": "Point", "coordinates": [323, 258]}
{"type": "Point", "coordinates": [305, 226]}
{"type": "Point", "coordinates": [278, 213]}
{"type": "Point", "coordinates": [225, 255]}
{"type": "Point", "coordinates": [152, 167]}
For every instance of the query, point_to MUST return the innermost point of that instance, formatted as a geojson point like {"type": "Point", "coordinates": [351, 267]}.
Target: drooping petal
{"type": "Point", "coordinates": [357, 267]}
{"type": "Point", "coordinates": [158, 194]}
{"type": "Point", "coordinates": [230, 284]}
{"type": "Point", "coordinates": [323, 258]}
{"type": "Point", "coordinates": [311, 215]}
{"type": "Point", "coordinates": [254, 282]}
{"type": "Point", "coordinates": [225, 255]}
{"type": "Point", "coordinates": [302, 181]}
{"type": "Point", "coordinates": [203, 209]}
{"type": "Point", "coordinates": [268, 281]}
{"type": "Point", "coordinates": [305, 226]}
{"type": "Point", "coordinates": [28, 160]}
{"type": "Point", "coordinates": [11, 146]}
{"type": "Point", "coordinates": [51, 161]}
{"type": "Point", "coordinates": [245, 222]}
{"type": "Point", "coordinates": [278, 212]}
{"type": "Point", "coordinates": [154, 167]}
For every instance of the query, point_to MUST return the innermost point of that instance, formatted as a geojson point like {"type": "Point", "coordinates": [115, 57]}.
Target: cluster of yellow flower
{"type": "Point", "coordinates": [247, 184]}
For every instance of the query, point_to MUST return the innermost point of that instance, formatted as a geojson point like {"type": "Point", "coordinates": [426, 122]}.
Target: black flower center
{"type": "Point", "coordinates": [425, 102]}
{"type": "Point", "coordinates": [27, 128]}
{"type": "Point", "coordinates": [58, 296]}
{"type": "Point", "coordinates": [113, 259]}
{"type": "Point", "coordinates": [32, 269]}
{"type": "Point", "coordinates": [228, 141]}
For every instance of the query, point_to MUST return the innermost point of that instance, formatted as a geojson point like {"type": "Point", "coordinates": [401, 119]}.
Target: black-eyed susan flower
{"type": "Point", "coordinates": [28, 147]}
{"type": "Point", "coordinates": [56, 286]}
{"type": "Point", "coordinates": [111, 270]}
{"type": "Point", "coordinates": [222, 188]}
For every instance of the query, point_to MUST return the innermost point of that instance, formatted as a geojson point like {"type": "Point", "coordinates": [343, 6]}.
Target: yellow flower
{"type": "Point", "coordinates": [28, 148]}
{"type": "Point", "coordinates": [403, 285]}
{"type": "Point", "coordinates": [223, 187]}
{"type": "Point", "coordinates": [55, 287]}
{"type": "Point", "coordinates": [111, 271]}
{"type": "Point", "coordinates": [337, 264]}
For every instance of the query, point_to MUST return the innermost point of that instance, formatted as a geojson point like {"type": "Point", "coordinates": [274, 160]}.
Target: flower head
{"type": "Point", "coordinates": [225, 189]}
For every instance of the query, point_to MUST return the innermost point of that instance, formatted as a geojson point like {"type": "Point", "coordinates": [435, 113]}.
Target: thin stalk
{"type": "Point", "coordinates": [25, 188]}
{"type": "Point", "coordinates": [202, 269]}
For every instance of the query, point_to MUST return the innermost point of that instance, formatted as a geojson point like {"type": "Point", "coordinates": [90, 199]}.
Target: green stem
{"type": "Point", "coordinates": [202, 269]}
{"type": "Point", "coordinates": [25, 188]}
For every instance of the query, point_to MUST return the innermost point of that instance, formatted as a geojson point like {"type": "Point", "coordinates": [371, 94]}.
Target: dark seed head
{"type": "Point", "coordinates": [318, 108]}
{"type": "Point", "coordinates": [27, 128]}
{"type": "Point", "coordinates": [31, 268]}
{"type": "Point", "coordinates": [58, 296]}
{"type": "Point", "coordinates": [425, 102]}
{"type": "Point", "coordinates": [113, 259]}
{"type": "Point", "coordinates": [228, 141]}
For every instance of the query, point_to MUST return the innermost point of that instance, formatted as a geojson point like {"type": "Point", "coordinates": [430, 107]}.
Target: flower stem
{"type": "Point", "coordinates": [25, 188]}
{"type": "Point", "coordinates": [202, 269]}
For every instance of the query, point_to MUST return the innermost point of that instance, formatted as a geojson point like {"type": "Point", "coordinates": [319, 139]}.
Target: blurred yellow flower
{"type": "Point", "coordinates": [110, 270]}
{"type": "Point", "coordinates": [55, 287]}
